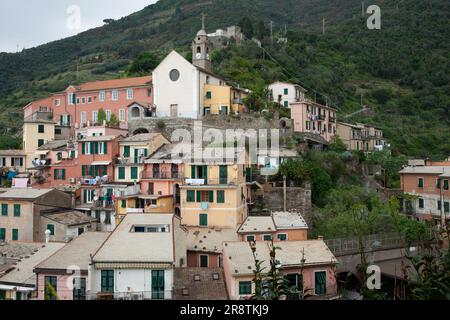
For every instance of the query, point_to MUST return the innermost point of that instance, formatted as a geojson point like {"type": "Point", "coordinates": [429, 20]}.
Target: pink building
{"type": "Point", "coordinates": [54, 270]}
{"type": "Point", "coordinates": [316, 276]}
{"type": "Point", "coordinates": [78, 105]}
{"type": "Point", "coordinates": [314, 118]}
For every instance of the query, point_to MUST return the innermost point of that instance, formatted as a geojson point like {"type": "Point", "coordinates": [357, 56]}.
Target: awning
{"type": "Point", "coordinates": [148, 197]}
{"type": "Point", "coordinates": [41, 152]}
{"type": "Point", "coordinates": [16, 288]}
{"type": "Point", "coordinates": [100, 163]}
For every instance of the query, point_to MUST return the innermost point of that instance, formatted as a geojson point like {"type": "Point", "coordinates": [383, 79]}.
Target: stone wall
{"type": "Point", "coordinates": [298, 199]}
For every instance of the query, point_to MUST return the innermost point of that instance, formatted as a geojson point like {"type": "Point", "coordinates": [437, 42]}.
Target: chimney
{"type": "Point", "coordinates": [2, 258]}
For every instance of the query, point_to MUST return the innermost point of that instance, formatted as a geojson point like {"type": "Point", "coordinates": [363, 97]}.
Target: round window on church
{"type": "Point", "coordinates": [174, 75]}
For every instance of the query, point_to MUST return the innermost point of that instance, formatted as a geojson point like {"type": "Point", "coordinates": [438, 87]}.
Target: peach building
{"type": "Point", "coordinates": [314, 118]}
{"type": "Point", "coordinates": [279, 226]}
{"type": "Point", "coordinates": [53, 270]}
{"type": "Point", "coordinates": [316, 275]}
{"type": "Point", "coordinates": [78, 105]}
{"type": "Point", "coordinates": [429, 183]}
{"type": "Point", "coordinates": [361, 137]}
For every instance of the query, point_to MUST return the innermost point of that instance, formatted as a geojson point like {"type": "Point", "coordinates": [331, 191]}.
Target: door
{"type": "Point", "coordinates": [151, 188]}
{"type": "Point", "coordinates": [158, 284]}
{"type": "Point", "coordinates": [203, 261]}
{"type": "Point", "coordinates": [79, 289]}
{"type": "Point", "coordinates": [321, 282]}
{"type": "Point", "coordinates": [174, 110]}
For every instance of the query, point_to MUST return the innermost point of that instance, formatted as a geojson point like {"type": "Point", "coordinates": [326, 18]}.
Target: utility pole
{"type": "Point", "coordinates": [323, 25]}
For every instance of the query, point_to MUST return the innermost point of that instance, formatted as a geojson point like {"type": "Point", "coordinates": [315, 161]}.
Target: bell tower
{"type": "Point", "coordinates": [201, 49]}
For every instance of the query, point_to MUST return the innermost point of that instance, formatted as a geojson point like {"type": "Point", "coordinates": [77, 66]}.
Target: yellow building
{"type": "Point", "coordinates": [144, 204]}
{"type": "Point", "coordinates": [214, 194]}
{"type": "Point", "coordinates": [36, 133]}
{"type": "Point", "coordinates": [223, 99]}
{"type": "Point", "coordinates": [133, 151]}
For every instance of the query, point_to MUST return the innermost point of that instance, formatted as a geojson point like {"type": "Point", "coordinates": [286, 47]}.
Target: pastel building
{"type": "Point", "coordinates": [361, 137]}
{"type": "Point", "coordinates": [314, 276]}
{"type": "Point", "coordinates": [78, 106]}
{"type": "Point", "coordinates": [13, 159]}
{"type": "Point", "coordinates": [21, 209]}
{"type": "Point", "coordinates": [429, 183]}
{"type": "Point", "coordinates": [313, 118]}
{"type": "Point", "coordinates": [53, 270]}
{"type": "Point", "coordinates": [214, 194]}
{"type": "Point", "coordinates": [223, 100]}
{"type": "Point", "coordinates": [279, 226]}
{"type": "Point", "coordinates": [138, 259]}
{"type": "Point", "coordinates": [285, 93]}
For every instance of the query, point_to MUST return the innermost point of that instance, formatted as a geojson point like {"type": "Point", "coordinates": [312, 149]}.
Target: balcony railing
{"type": "Point", "coordinates": [162, 175]}
{"type": "Point", "coordinates": [135, 295]}
{"type": "Point", "coordinates": [40, 115]}
{"type": "Point", "coordinates": [238, 101]}
{"type": "Point", "coordinates": [211, 182]}
{"type": "Point", "coordinates": [94, 181]}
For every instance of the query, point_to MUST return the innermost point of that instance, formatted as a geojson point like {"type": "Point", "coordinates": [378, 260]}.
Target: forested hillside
{"type": "Point", "coordinates": [402, 71]}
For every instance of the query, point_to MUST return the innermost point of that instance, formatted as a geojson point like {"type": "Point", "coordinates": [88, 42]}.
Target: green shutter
{"type": "Point", "coordinates": [321, 282]}
{"type": "Point", "coordinates": [203, 219]}
{"type": "Point", "coordinates": [124, 204]}
{"type": "Point", "coordinates": [105, 147]}
{"type": "Point", "coordinates": [192, 171]}
{"type": "Point", "coordinates": [15, 234]}
{"type": "Point", "coordinates": [446, 185]}
{"type": "Point", "coordinates": [83, 148]}
{"type": "Point", "coordinates": [205, 174]}
{"type": "Point", "coordinates": [211, 196]}
{"type": "Point", "coordinates": [190, 196]}
{"type": "Point", "coordinates": [199, 196]}
{"type": "Point", "coordinates": [55, 174]}
{"type": "Point", "coordinates": [220, 196]}
{"type": "Point", "coordinates": [17, 210]}
{"type": "Point", "coordinates": [63, 174]}
{"type": "Point", "coordinates": [2, 234]}
{"type": "Point", "coordinates": [420, 184]}
{"type": "Point", "coordinates": [126, 151]}
{"type": "Point", "coordinates": [83, 171]}
{"type": "Point", "coordinates": [4, 209]}
{"type": "Point", "coordinates": [51, 228]}
{"type": "Point", "coordinates": [121, 173]}
{"type": "Point", "coordinates": [146, 152]}
{"type": "Point", "coordinates": [134, 173]}
{"type": "Point", "coordinates": [223, 175]}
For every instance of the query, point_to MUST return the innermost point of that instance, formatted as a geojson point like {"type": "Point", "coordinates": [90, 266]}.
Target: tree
{"type": "Point", "coordinates": [101, 116]}
{"type": "Point", "coordinates": [144, 64]}
{"type": "Point", "coordinates": [261, 31]}
{"type": "Point", "coordinates": [247, 27]}
{"type": "Point", "coordinates": [113, 122]}
{"type": "Point", "coordinates": [337, 145]}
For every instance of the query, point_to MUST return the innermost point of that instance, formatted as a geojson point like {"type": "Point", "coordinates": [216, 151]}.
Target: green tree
{"type": "Point", "coordinates": [113, 122]}
{"type": "Point", "coordinates": [247, 27]}
{"type": "Point", "coordinates": [101, 116]}
{"type": "Point", "coordinates": [337, 145]}
{"type": "Point", "coordinates": [144, 64]}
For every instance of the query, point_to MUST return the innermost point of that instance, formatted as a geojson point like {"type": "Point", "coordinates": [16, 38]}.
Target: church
{"type": "Point", "coordinates": [191, 90]}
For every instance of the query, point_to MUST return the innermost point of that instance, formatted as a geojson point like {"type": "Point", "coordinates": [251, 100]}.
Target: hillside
{"type": "Point", "coordinates": [402, 70]}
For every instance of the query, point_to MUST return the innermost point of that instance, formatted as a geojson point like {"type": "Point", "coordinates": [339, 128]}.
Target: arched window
{"type": "Point", "coordinates": [199, 50]}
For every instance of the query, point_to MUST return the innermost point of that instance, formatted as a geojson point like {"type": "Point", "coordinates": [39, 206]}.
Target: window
{"type": "Point", "coordinates": [17, 210]}
{"type": "Point", "coordinates": [83, 117]}
{"type": "Point", "coordinates": [203, 220]}
{"type": "Point", "coordinates": [57, 102]}
{"type": "Point", "coordinates": [245, 287]}
{"type": "Point", "coordinates": [2, 234]}
{"type": "Point", "coordinates": [59, 156]}
{"type": "Point", "coordinates": [220, 196]}
{"type": "Point", "coordinates": [446, 207]}
{"type": "Point", "coordinates": [295, 283]}
{"type": "Point", "coordinates": [174, 75]}
{"type": "Point", "coordinates": [59, 174]}
{"type": "Point", "coordinates": [89, 99]}
{"type": "Point", "coordinates": [40, 142]}
{"type": "Point", "coordinates": [124, 204]}
{"type": "Point", "coordinates": [445, 184]}
{"type": "Point", "coordinates": [115, 95]}
{"type": "Point", "coordinates": [79, 289]}
{"type": "Point", "coordinates": [267, 237]}
{"type": "Point", "coordinates": [121, 173]}
{"type": "Point", "coordinates": [41, 128]}
{"type": "Point", "coordinates": [107, 218]}
{"type": "Point", "coordinates": [286, 91]}
{"type": "Point", "coordinates": [130, 94]}
{"type": "Point", "coordinates": [71, 99]}
{"type": "Point", "coordinates": [126, 151]}
{"type": "Point", "coordinates": [51, 287]}
{"type": "Point", "coordinates": [78, 100]}
{"type": "Point", "coordinates": [223, 175]}
{"type": "Point", "coordinates": [51, 228]}
{"type": "Point", "coordinates": [282, 237]}
{"type": "Point", "coordinates": [205, 196]}
{"type": "Point", "coordinates": [286, 104]}
{"type": "Point", "coordinates": [157, 284]}
{"type": "Point", "coordinates": [102, 96]}
{"type": "Point", "coordinates": [206, 111]}
{"type": "Point", "coordinates": [94, 116]}
{"type": "Point", "coordinates": [204, 261]}
{"type": "Point", "coordinates": [15, 234]}
{"type": "Point", "coordinates": [320, 282]}
{"type": "Point", "coordinates": [83, 100]}
{"type": "Point", "coordinates": [439, 205]}
{"type": "Point", "coordinates": [223, 110]}
{"type": "Point", "coordinates": [4, 209]}
{"type": "Point", "coordinates": [108, 115]}
{"type": "Point", "coordinates": [208, 95]}
{"type": "Point", "coordinates": [122, 115]}
{"type": "Point", "coordinates": [421, 203]}
{"type": "Point", "coordinates": [190, 196]}
{"type": "Point", "coordinates": [107, 280]}
{"type": "Point", "coordinates": [134, 173]}
{"type": "Point", "coordinates": [420, 182]}
{"type": "Point", "coordinates": [250, 238]}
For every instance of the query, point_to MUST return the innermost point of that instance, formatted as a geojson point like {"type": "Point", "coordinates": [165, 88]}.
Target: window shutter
{"type": "Point", "coordinates": [83, 148]}
{"type": "Point", "coordinates": [55, 174]}
{"type": "Point", "coordinates": [63, 174]}
{"type": "Point", "coordinates": [211, 196]}
{"type": "Point", "coordinates": [199, 196]}
{"type": "Point", "coordinates": [105, 147]}
{"type": "Point", "coordinates": [21, 162]}
{"type": "Point", "coordinates": [192, 172]}
{"type": "Point", "coordinates": [146, 152]}
{"type": "Point", "coordinates": [83, 171]}
{"type": "Point", "coordinates": [205, 174]}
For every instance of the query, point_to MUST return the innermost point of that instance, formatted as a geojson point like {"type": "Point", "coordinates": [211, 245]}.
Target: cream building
{"type": "Point", "coordinates": [286, 93]}
{"type": "Point", "coordinates": [36, 133]}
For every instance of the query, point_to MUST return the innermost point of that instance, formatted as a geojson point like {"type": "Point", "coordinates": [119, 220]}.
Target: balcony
{"type": "Point", "coordinates": [135, 295]}
{"type": "Point", "coordinates": [321, 117]}
{"type": "Point", "coordinates": [238, 101]}
{"type": "Point", "coordinates": [42, 163]}
{"type": "Point", "coordinates": [211, 182]}
{"type": "Point", "coordinates": [91, 181]}
{"type": "Point", "coordinates": [39, 115]}
{"type": "Point", "coordinates": [162, 175]}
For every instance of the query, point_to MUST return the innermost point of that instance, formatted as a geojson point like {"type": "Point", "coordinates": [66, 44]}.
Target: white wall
{"type": "Point", "coordinates": [278, 89]}
{"type": "Point", "coordinates": [133, 280]}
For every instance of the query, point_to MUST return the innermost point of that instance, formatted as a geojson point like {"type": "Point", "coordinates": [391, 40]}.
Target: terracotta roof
{"type": "Point", "coordinates": [114, 84]}
{"type": "Point", "coordinates": [209, 239]}
{"type": "Point", "coordinates": [24, 193]}
{"type": "Point", "coordinates": [257, 224]}
{"type": "Point", "coordinates": [143, 137]}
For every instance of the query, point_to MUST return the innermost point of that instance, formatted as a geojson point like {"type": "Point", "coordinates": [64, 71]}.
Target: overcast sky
{"type": "Point", "coordinates": [26, 23]}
